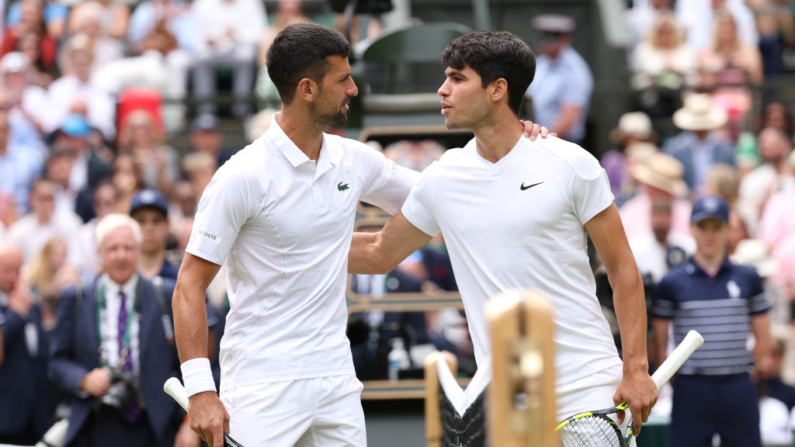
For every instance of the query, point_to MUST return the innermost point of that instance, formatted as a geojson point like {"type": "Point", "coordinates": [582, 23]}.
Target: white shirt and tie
{"type": "Point", "coordinates": [109, 323]}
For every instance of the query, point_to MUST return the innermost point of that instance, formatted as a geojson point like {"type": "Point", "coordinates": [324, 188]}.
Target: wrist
{"type": "Point", "coordinates": [197, 376]}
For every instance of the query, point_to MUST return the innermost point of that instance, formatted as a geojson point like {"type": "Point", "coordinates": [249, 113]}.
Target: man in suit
{"type": "Point", "coordinates": [115, 325]}
{"type": "Point", "coordinates": [26, 406]}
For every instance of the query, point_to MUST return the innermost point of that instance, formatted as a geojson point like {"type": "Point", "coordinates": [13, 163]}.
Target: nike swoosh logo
{"type": "Point", "coordinates": [523, 187]}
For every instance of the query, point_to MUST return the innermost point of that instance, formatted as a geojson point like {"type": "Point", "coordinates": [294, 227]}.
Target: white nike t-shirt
{"type": "Point", "coordinates": [283, 223]}
{"type": "Point", "coordinates": [518, 223]}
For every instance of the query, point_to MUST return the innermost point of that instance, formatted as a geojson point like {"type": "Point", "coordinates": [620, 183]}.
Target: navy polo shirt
{"type": "Point", "coordinates": [169, 270]}
{"type": "Point", "coordinates": [718, 307]}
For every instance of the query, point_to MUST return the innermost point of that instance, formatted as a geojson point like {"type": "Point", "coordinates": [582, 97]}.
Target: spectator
{"type": "Point", "coordinates": [729, 52]}
{"type": "Point", "coordinates": [660, 177]}
{"type": "Point", "coordinates": [150, 209]}
{"type": "Point", "coordinates": [182, 209]}
{"type": "Point", "coordinates": [562, 87]}
{"type": "Point", "coordinates": [227, 34]}
{"type": "Point", "coordinates": [697, 17]}
{"type": "Point", "coordinates": [174, 16]}
{"type": "Point", "coordinates": [287, 13]}
{"type": "Point", "coordinates": [105, 201]}
{"type": "Point", "coordinates": [58, 170]}
{"type": "Point", "coordinates": [664, 59]}
{"type": "Point", "coordinates": [784, 254]}
{"type": "Point", "coordinates": [199, 169]}
{"type": "Point", "coordinates": [85, 352]}
{"type": "Point", "coordinates": [127, 179]}
{"type": "Point", "coordinates": [769, 370]}
{"type": "Point", "coordinates": [31, 20]}
{"type": "Point", "coordinates": [641, 17]}
{"type": "Point", "coordinates": [91, 164]}
{"type": "Point", "coordinates": [159, 163]}
{"type": "Point", "coordinates": [28, 101]}
{"type": "Point", "coordinates": [206, 136]}
{"type": "Point", "coordinates": [699, 146]}
{"type": "Point", "coordinates": [87, 20]}
{"type": "Point", "coordinates": [713, 393]}
{"type": "Point", "coordinates": [738, 231]}
{"type": "Point", "coordinates": [759, 185]}
{"type": "Point", "coordinates": [776, 29]}
{"type": "Point", "coordinates": [48, 273]}
{"type": "Point", "coordinates": [633, 128]}
{"type": "Point", "coordinates": [660, 250]}
{"type": "Point", "coordinates": [754, 253]}
{"type": "Point", "coordinates": [25, 405]}
{"type": "Point", "coordinates": [76, 92]}
{"type": "Point", "coordinates": [33, 230]}
{"type": "Point", "coordinates": [635, 154]}
{"type": "Point", "coordinates": [42, 74]}
{"type": "Point", "coordinates": [19, 166]}
{"type": "Point", "coordinates": [114, 17]}
{"type": "Point", "coordinates": [7, 212]}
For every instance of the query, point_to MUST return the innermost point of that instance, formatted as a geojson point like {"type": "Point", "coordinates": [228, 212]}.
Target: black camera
{"type": "Point", "coordinates": [123, 386]}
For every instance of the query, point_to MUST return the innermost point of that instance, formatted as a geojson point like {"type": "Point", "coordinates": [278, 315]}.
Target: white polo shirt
{"type": "Point", "coordinates": [283, 223]}
{"type": "Point", "coordinates": [518, 223]}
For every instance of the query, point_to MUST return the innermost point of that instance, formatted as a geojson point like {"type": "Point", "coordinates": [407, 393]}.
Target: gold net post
{"type": "Point", "coordinates": [433, 416]}
{"type": "Point", "coordinates": [521, 405]}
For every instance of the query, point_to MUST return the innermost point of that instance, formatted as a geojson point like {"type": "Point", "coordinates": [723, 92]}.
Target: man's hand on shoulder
{"type": "Point", "coordinates": [640, 393]}
{"type": "Point", "coordinates": [532, 130]}
{"type": "Point", "coordinates": [208, 418]}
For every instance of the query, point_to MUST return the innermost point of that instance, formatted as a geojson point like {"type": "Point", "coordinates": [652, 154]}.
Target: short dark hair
{"type": "Point", "coordinates": [494, 55]}
{"type": "Point", "coordinates": [299, 51]}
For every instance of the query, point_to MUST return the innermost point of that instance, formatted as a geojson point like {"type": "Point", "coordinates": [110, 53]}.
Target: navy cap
{"type": "Point", "coordinates": [204, 123]}
{"type": "Point", "coordinates": [149, 198]}
{"type": "Point", "coordinates": [707, 207]}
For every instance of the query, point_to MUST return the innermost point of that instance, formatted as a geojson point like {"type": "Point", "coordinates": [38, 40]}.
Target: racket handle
{"type": "Point", "coordinates": [692, 341]}
{"type": "Point", "coordinates": [174, 388]}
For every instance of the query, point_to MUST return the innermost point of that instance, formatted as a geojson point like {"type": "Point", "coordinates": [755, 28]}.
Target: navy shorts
{"type": "Point", "coordinates": [705, 405]}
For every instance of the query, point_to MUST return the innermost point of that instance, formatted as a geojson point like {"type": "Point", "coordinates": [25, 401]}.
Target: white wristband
{"type": "Point", "coordinates": [197, 376]}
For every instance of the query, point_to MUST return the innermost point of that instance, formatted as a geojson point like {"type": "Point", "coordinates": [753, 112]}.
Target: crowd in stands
{"type": "Point", "coordinates": [68, 159]}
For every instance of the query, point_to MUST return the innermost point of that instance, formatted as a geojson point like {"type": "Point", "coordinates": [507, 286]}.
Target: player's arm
{"type": "Point", "coordinates": [636, 389]}
{"type": "Point", "coordinates": [207, 415]}
{"type": "Point", "coordinates": [374, 253]}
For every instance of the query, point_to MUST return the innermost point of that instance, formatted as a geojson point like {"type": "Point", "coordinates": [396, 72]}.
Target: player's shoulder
{"type": "Point", "coordinates": [245, 163]}
{"type": "Point", "coordinates": [571, 155]}
{"type": "Point", "coordinates": [352, 150]}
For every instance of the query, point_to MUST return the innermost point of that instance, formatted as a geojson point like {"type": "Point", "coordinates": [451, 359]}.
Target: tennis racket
{"type": "Point", "coordinates": [174, 388]}
{"type": "Point", "coordinates": [597, 429]}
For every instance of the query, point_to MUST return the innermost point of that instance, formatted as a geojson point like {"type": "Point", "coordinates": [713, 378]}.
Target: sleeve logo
{"type": "Point", "coordinates": [210, 236]}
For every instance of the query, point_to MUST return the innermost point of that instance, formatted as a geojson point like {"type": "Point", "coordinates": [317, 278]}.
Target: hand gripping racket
{"type": "Point", "coordinates": [174, 388]}
{"type": "Point", "coordinates": [597, 429]}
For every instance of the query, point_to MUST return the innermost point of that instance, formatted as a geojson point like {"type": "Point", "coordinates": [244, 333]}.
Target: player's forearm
{"type": "Point", "coordinates": [366, 256]}
{"type": "Point", "coordinates": [630, 306]}
{"type": "Point", "coordinates": [190, 320]}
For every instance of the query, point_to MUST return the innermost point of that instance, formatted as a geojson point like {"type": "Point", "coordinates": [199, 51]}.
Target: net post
{"type": "Point", "coordinates": [433, 417]}
{"type": "Point", "coordinates": [521, 410]}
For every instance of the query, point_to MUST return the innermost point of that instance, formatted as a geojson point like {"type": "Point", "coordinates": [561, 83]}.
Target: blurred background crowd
{"type": "Point", "coordinates": [112, 106]}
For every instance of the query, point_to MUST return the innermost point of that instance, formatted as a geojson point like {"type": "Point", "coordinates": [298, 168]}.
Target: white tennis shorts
{"type": "Point", "coordinates": [325, 411]}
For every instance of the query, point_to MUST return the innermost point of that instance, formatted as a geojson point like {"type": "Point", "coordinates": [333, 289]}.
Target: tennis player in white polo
{"type": "Point", "coordinates": [514, 214]}
{"type": "Point", "coordinates": [281, 214]}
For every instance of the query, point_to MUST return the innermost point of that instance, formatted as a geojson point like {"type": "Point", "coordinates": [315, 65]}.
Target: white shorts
{"type": "Point", "coordinates": [325, 411]}
{"type": "Point", "coordinates": [594, 392]}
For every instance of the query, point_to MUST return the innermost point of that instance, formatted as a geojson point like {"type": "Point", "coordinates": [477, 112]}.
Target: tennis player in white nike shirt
{"type": "Point", "coordinates": [281, 214]}
{"type": "Point", "coordinates": [515, 214]}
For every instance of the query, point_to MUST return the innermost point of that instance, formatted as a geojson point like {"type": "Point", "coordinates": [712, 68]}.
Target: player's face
{"type": "Point", "coordinates": [336, 91]}
{"type": "Point", "coordinates": [154, 229]}
{"type": "Point", "coordinates": [711, 237]}
{"type": "Point", "coordinates": [119, 254]}
{"type": "Point", "coordinates": [464, 104]}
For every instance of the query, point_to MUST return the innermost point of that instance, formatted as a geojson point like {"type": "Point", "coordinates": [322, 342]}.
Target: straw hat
{"type": "Point", "coordinates": [699, 114]}
{"type": "Point", "coordinates": [635, 124]}
{"type": "Point", "coordinates": [661, 171]}
{"type": "Point", "coordinates": [753, 252]}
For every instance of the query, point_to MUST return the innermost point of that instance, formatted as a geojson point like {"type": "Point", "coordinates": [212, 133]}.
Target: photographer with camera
{"type": "Point", "coordinates": [114, 348]}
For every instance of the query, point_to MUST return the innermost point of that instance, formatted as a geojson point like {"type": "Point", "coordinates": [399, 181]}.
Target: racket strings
{"type": "Point", "coordinates": [590, 431]}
